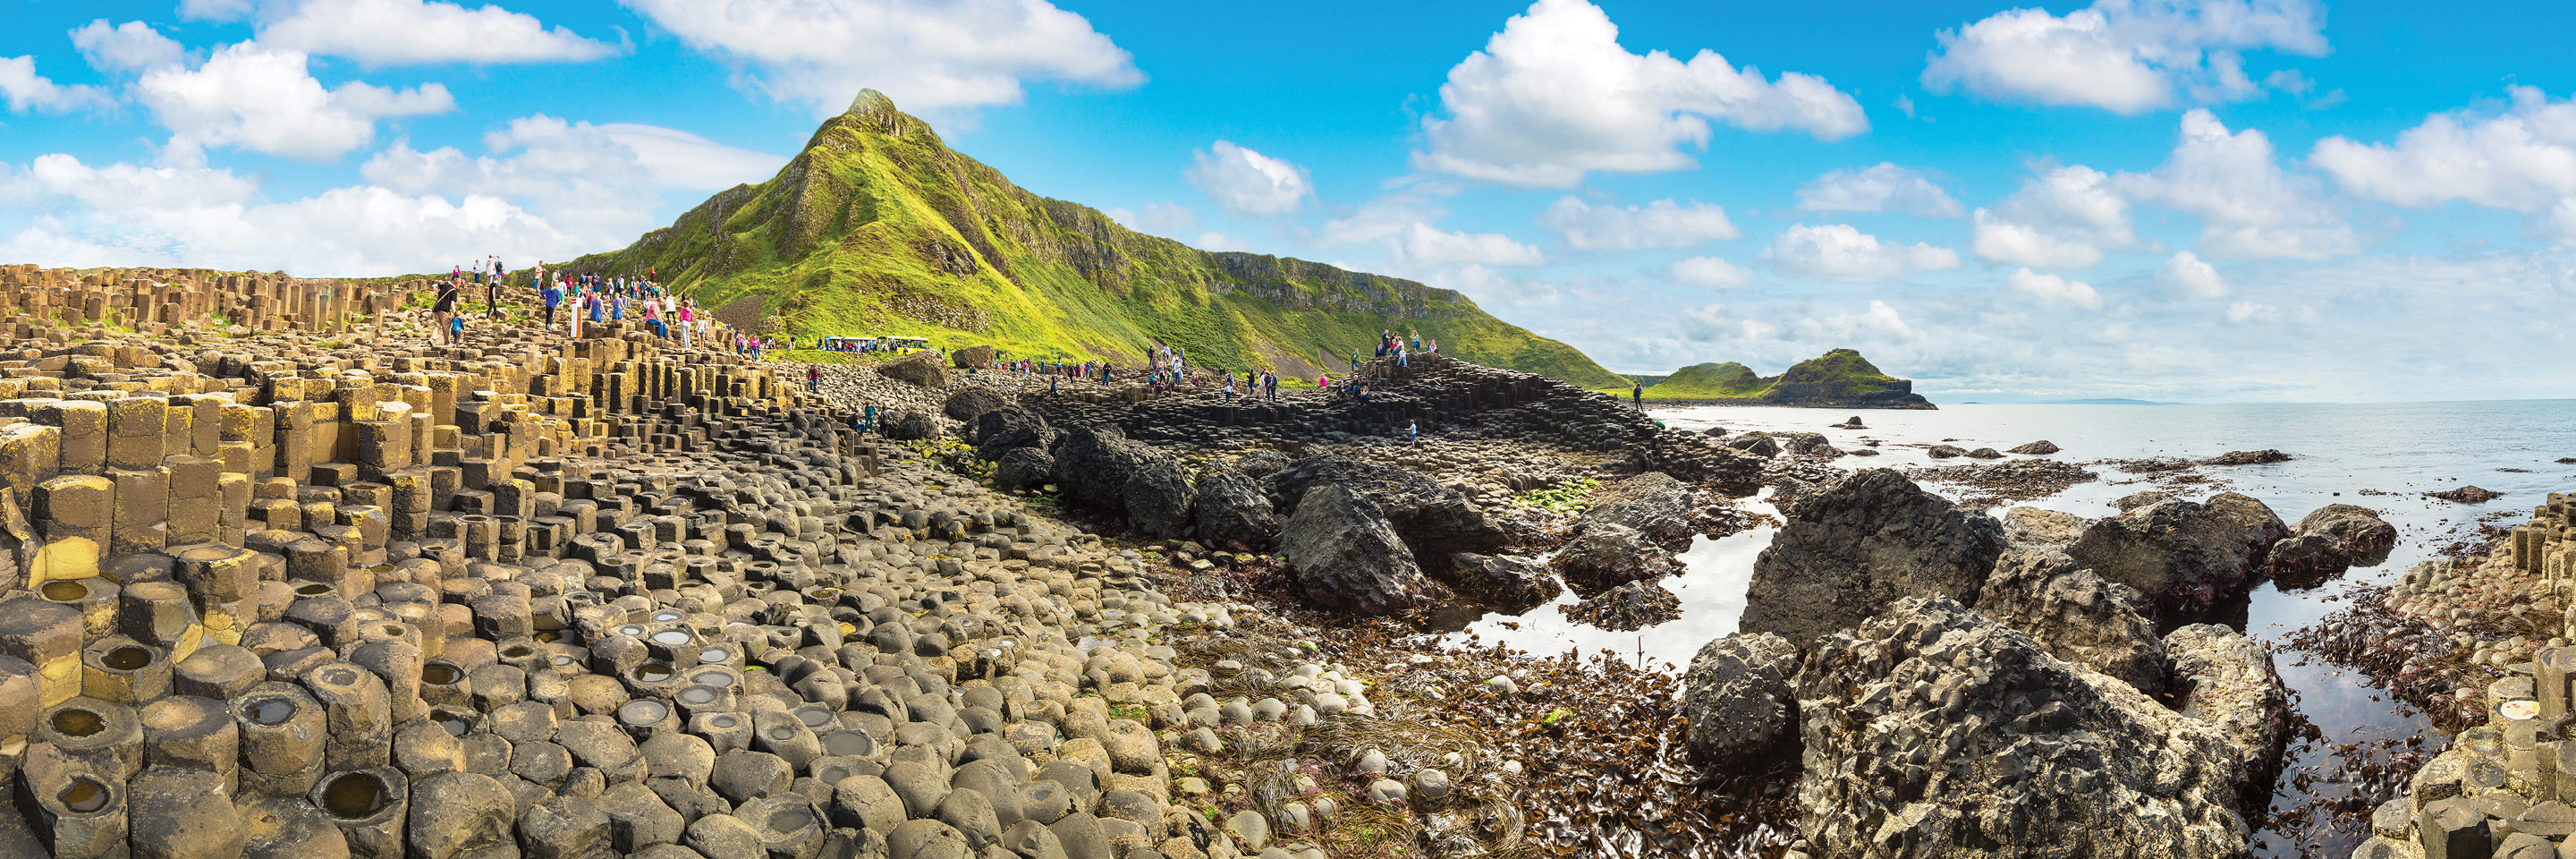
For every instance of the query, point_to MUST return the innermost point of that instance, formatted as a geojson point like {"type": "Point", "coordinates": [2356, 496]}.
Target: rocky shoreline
{"type": "Point", "coordinates": [316, 588]}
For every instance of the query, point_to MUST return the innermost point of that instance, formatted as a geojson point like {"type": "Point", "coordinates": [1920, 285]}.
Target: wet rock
{"type": "Point", "coordinates": [2186, 557]}
{"type": "Point", "coordinates": [2249, 457]}
{"type": "Point", "coordinates": [1347, 554]}
{"type": "Point", "coordinates": [1849, 550]}
{"type": "Point", "coordinates": [918, 368]}
{"type": "Point", "coordinates": [1606, 556]}
{"type": "Point", "coordinates": [1231, 506]}
{"type": "Point", "coordinates": [1934, 731]}
{"type": "Point", "coordinates": [2227, 680]}
{"type": "Point", "coordinates": [1631, 605]}
{"type": "Point", "coordinates": [1435, 521]}
{"type": "Point", "coordinates": [2360, 529]}
{"type": "Point", "coordinates": [1508, 580]}
{"type": "Point", "coordinates": [2307, 559]}
{"type": "Point", "coordinates": [1985, 453]}
{"type": "Point", "coordinates": [1946, 451]}
{"type": "Point", "coordinates": [1756, 444]}
{"type": "Point", "coordinates": [2076, 615]}
{"type": "Point", "coordinates": [2042, 530]}
{"type": "Point", "coordinates": [1738, 698]}
{"type": "Point", "coordinates": [2042, 447]}
{"type": "Point", "coordinates": [2466, 495]}
{"type": "Point", "coordinates": [1653, 504]}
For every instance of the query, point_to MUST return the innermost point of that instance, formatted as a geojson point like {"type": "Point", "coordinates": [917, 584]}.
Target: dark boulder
{"type": "Point", "coordinates": [2186, 556]}
{"type": "Point", "coordinates": [2041, 447]}
{"type": "Point", "coordinates": [1850, 549]}
{"type": "Point", "coordinates": [1231, 506]}
{"type": "Point", "coordinates": [2077, 615]}
{"type": "Point", "coordinates": [1023, 468]}
{"type": "Point", "coordinates": [2360, 528]}
{"type": "Point", "coordinates": [1946, 451]}
{"type": "Point", "coordinates": [919, 368]}
{"type": "Point", "coordinates": [971, 356]}
{"type": "Point", "coordinates": [1092, 466]}
{"type": "Point", "coordinates": [2466, 495]}
{"type": "Point", "coordinates": [1009, 428]}
{"type": "Point", "coordinates": [2249, 457]}
{"type": "Point", "coordinates": [969, 403]}
{"type": "Point", "coordinates": [1653, 503]}
{"type": "Point", "coordinates": [1605, 556]}
{"type": "Point", "coordinates": [1347, 555]}
{"type": "Point", "coordinates": [1509, 581]}
{"type": "Point", "coordinates": [1985, 453]}
{"type": "Point", "coordinates": [1738, 698]}
{"type": "Point", "coordinates": [1935, 731]}
{"type": "Point", "coordinates": [2308, 559]}
{"type": "Point", "coordinates": [1436, 521]}
{"type": "Point", "coordinates": [1756, 444]}
{"type": "Point", "coordinates": [1157, 494]}
{"type": "Point", "coordinates": [909, 425]}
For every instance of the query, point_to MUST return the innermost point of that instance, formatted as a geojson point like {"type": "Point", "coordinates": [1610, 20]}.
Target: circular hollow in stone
{"type": "Point", "coordinates": [312, 589]}
{"type": "Point", "coordinates": [643, 711]}
{"type": "Point", "coordinates": [84, 796]}
{"type": "Point", "coordinates": [790, 818]}
{"type": "Point", "coordinates": [76, 722]}
{"type": "Point", "coordinates": [723, 722]}
{"type": "Point", "coordinates": [455, 727]}
{"type": "Point", "coordinates": [270, 712]}
{"type": "Point", "coordinates": [666, 617]}
{"type": "Point", "coordinates": [64, 591]}
{"type": "Point", "coordinates": [713, 655]}
{"type": "Point", "coordinates": [697, 696]}
{"type": "Point", "coordinates": [127, 658]}
{"type": "Point", "coordinates": [653, 672]}
{"type": "Point", "coordinates": [354, 796]}
{"type": "Point", "coordinates": [340, 676]}
{"type": "Point", "coordinates": [441, 673]}
{"type": "Point", "coordinates": [518, 651]}
{"type": "Point", "coordinates": [670, 637]}
{"type": "Point", "coordinates": [630, 629]}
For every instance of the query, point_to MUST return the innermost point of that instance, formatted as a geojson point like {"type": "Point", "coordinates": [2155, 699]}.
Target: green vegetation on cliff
{"type": "Point", "coordinates": [877, 227]}
{"type": "Point", "coordinates": [1837, 378]}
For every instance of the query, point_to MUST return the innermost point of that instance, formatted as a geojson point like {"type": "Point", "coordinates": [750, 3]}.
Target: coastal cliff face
{"type": "Point", "coordinates": [1839, 379]}
{"type": "Point", "coordinates": [877, 227]}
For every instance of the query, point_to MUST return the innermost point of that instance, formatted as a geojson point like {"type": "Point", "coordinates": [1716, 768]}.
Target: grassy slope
{"type": "Point", "coordinates": [878, 228]}
{"type": "Point", "coordinates": [1842, 370]}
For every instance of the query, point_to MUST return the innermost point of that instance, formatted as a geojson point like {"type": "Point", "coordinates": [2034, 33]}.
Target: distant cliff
{"type": "Point", "coordinates": [1839, 379]}
{"type": "Point", "coordinates": [878, 227]}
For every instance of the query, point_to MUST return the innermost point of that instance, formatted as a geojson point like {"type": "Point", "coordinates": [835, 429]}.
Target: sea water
{"type": "Point", "coordinates": [2339, 450]}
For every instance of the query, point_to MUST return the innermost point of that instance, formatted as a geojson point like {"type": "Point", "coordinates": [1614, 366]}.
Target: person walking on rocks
{"type": "Point", "coordinates": [1637, 394]}
{"type": "Point", "coordinates": [551, 295]}
{"type": "Point", "coordinates": [872, 418]}
{"type": "Point", "coordinates": [446, 306]}
{"type": "Point", "coordinates": [1412, 433]}
{"type": "Point", "coordinates": [814, 378]}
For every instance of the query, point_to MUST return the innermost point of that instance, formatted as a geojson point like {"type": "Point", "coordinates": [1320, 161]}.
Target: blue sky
{"type": "Point", "coordinates": [2207, 200]}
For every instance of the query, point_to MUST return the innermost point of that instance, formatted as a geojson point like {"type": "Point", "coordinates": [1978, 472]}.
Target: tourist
{"type": "Point", "coordinates": [1412, 433]}
{"type": "Point", "coordinates": [1229, 387]}
{"type": "Point", "coordinates": [551, 295]}
{"type": "Point", "coordinates": [446, 306]}
{"type": "Point", "coordinates": [1637, 394]}
{"type": "Point", "coordinates": [814, 378]}
{"type": "Point", "coordinates": [872, 417]}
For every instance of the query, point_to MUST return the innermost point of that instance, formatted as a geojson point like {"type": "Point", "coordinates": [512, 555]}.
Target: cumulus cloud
{"type": "Point", "coordinates": [2246, 311]}
{"type": "Point", "coordinates": [2054, 291]}
{"type": "Point", "coordinates": [415, 32]}
{"type": "Point", "coordinates": [1840, 252]}
{"type": "Point", "coordinates": [1165, 218]}
{"type": "Point", "coordinates": [2187, 274]}
{"type": "Point", "coordinates": [1248, 184]}
{"type": "Point", "coordinates": [2519, 158]}
{"type": "Point", "coordinates": [1401, 225]}
{"type": "Point", "coordinates": [1661, 224]}
{"type": "Point", "coordinates": [260, 98]}
{"type": "Point", "coordinates": [1884, 187]}
{"type": "Point", "coordinates": [129, 47]}
{"type": "Point", "coordinates": [1554, 96]}
{"type": "Point", "coordinates": [2248, 206]}
{"type": "Point", "coordinates": [1880, 320]}
{"type": "Point", "coordinates": [2062, 218]}
{"type": "Point", "coordinates": [597, 183]}
{"type": "Point", "coordinates": [925, 55]}
{"type": "Point", "coordinates": [27, 91]}
{"type": "Point", "coordinates": [2125, 56]}
{"type": "Point", "coordinates": [1710, 272]}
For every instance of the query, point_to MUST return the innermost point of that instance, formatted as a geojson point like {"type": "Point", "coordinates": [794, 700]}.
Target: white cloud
{"type": "Point", "coordinates": [2054, 291]}
{"type": "Point", "coordinates": [1248, 184]}
{"type": "Point", "coordinates": [2248, 206]}
{"type": "Point", "coordinates": [260, 98]}
{"type": "Point", "coordinates": [25, 90]}
{"type": "Point", "coordinates": [2187, 274]}
{"type": "Point", "coordinates": [129, 47]}
{"type": "Point", "coordinates": [2062, 218]}
{"type": "Point", "coordinates": [414, 32]}
{"type": "Point", "coordinates": [1554, 96]}
{"type": "Point", "coordinates": [1165, 218]}
{"type": "Point", "coordinates": [1215, 241]}
{"type": "Point", "coordinates": [925, 55]}
{"type": "Point", "coordinates": [1489, 287]}
{"type": "Point", "coordinates": [1420, 244]}
{"type": "Point", "coordinates": [596, 184]}
{"type": "Point", "coordinates": [2246, 311]}
{"type": "Point", "coordinates": [2126, 56]}
{"type": "Point", "coordinates": [1710, 272]}
{"type": "Point", "coordinates": [1881, 188]}
{"type": "Point", "coordinates": [1840, 252]}
{"type": "Point", "coordinates": [1879, 320]}
{"type": "Point", "coordinates": [1661, 224]}
{"type": "Point", "coordinates": [2521, 158]}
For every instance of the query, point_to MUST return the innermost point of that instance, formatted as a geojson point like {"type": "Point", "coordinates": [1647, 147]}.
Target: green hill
{"type": "Point", "coordinates": [877, 227]}
{"type": "Point", "coordinates": [1839, 379]}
